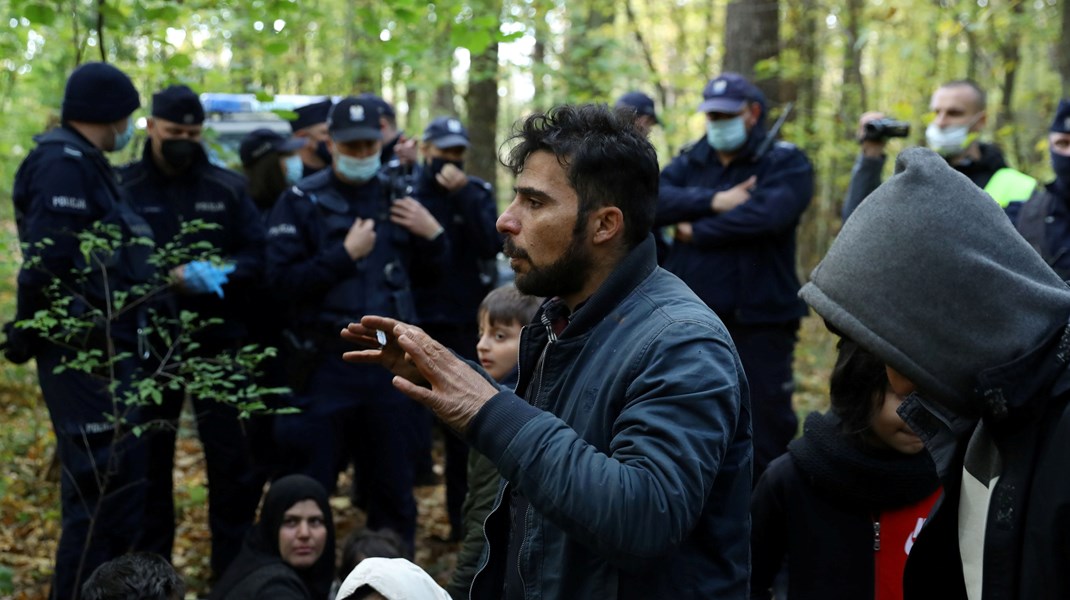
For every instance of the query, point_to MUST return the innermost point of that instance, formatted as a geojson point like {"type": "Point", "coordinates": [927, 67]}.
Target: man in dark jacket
{"type": "Point", "coordinates": [972, 326]}
{"type": "Point", "coordinates": [958, 109]}
{"type": "Point", "coordinates": [311, 126]}
{"type": "Point", "coordinates": [735, 198]}
{"type": "Point", "coordinates": [1044, 220]}
{"type": "Point", "coordinates": [625, 448]}
{"type": "Point", "coordinates": [172, 185]}
{"type": "Point", "coordinates": [65, 187]}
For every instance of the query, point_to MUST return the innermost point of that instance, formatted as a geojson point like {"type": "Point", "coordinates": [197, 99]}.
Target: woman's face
{"type": "Point", "coordinates": [302, 535]}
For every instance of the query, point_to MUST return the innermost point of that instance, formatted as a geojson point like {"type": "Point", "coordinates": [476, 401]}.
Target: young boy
{"type": "Point", "coordinates": [502, 314]}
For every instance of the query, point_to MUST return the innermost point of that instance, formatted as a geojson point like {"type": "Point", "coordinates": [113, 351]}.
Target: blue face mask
{"type": "Point", "coordinates": [122, 139]}
{"type": "Point", "coordinates": [357, 170]}
{"type": "Point", "coordinates": [295, 169]}
{"type": "Point", "coordinates": [727, 135]}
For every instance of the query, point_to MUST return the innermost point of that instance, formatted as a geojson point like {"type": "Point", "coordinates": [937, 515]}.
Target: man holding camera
{"type": "Point", "coordinates": [958, 109]}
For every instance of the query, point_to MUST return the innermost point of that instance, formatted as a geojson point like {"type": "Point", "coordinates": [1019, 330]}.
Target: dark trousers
{"type": "Point", "coordinates": [462, 339]}
{"type": "Point", "coordinates": [102, 487]}
{"type": "Point", "coordinates": [766, 352]}
{"type": "Point", "coordinates": [234, 486]}
{"type": "Point", "coordinates": [355, 409]}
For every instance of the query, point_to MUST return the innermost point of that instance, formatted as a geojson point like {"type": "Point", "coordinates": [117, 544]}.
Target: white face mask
{"type": "Point", "coordinates": [952, 140]}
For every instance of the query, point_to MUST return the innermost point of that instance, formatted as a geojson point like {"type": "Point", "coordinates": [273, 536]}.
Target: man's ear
{"type": "Point", "coordinates": [607, 224]}
{"type": "Point", "coordinates": [979, 124]}
{"type": "Point", "coordinates": [754, 113]}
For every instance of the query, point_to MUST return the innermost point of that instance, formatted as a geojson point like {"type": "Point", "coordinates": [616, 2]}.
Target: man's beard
{"type": "Point", "coordinates": [565, 276]}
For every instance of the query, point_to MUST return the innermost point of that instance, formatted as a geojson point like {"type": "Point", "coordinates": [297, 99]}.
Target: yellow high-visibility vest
{"type": "Point", "coordinates": [1008, 185]}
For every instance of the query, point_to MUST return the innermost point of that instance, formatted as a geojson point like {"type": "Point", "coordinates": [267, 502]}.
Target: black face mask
{"type": "Point", "coordinates": [434, 167]}
{"type": "Point", "coordinates": [323, 153]}
{"type": "Point", "coordinates": [1061, 165]}
{"type": "Point", "coordinates": [180, 154]}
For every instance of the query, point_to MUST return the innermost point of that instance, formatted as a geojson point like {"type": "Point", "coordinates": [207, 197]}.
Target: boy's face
{"type": "Point", "coordinates": [499, 346]}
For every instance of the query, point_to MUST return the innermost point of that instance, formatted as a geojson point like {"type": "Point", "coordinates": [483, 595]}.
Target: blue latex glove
{"type": "Point", "coordinates": [202, 277]}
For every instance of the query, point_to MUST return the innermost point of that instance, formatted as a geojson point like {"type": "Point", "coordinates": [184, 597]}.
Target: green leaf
{"type": "Point", "coordinates": [40, 14]}
{"type": "Point", "coordinates": [178, 61]}
{"type": "Point", "coordinates": [277, 47]}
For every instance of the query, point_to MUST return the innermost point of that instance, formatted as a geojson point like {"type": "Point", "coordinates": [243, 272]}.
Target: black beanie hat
{"type": "Point", "coordinates": [1061, 123]}
{"type": "Point", "coordinates": [98, 93]}
{"type": "Point", "coordinates": [178, 104]}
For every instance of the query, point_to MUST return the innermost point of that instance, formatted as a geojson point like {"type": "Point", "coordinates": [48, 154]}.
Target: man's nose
{"type": "Point", "coordinates": [507, 223]}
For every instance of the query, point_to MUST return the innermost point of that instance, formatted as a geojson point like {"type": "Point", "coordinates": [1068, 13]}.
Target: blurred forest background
{"type": "Point", "coordinates": [491, 62]}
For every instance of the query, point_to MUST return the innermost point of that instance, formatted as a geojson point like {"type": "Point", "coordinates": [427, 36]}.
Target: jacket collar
{"type": "Point", "coordinates": [636, 266]}
{"type": "Point", "coordinates": [1016, 385]}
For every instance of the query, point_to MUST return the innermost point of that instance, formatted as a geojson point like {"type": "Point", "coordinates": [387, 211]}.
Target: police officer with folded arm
{"type": "Point", "coordinates": [66, 186]}
{"type": "Point", "coordinates": [736, 198]}
{"type": "Point", "coordinates": [340, 246]}
{"type": "Point", "coordinates": [172, 184]}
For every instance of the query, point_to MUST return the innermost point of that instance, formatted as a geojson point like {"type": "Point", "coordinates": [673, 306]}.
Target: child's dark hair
{"type": "Point", "coordinates": [367, 543]}
{"type": "Point", "coordinates": [136, 576]}
{"type": "Point", "coordinates": [857, 387]}
{"type": "Point", "coordinates": [506, 305]}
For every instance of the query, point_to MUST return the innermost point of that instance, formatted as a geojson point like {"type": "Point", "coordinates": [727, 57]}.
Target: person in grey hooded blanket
{"type": "Point", "coordinates": [930, 276]}
{"type": "Point", "coordinates": [266, 567]}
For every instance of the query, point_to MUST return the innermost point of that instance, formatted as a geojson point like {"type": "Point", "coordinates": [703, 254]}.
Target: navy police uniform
{"type": "Point", "coordinates": [742, 262]}
{"type": "Point", "coordinates": [342, 403]}
{"type": "Point", "coordinates": [235, 233]}
{"type": "Point", "coordinates": [66, 186]}
{"type": "Point", "coordinates": [448, 308]}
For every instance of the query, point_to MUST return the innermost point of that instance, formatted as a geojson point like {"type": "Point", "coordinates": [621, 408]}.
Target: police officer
{"type": "Point", "coordinates": [172, 184]}
{"type": "Point", "coordinates": [643, 106]}
{"type": "Point", "coordinates": [467, 208]}
{"type": "Point", "coordinates": [311, 125]}
{"type": "Point", "coordinates": [339, 247]}
{"type": "Point", "coordinates": [64, 187]}
{"type": "Point", "coordinates": [736, 199]}
{"type": "Point", "coordinates": [958, 109]}
{"type": "Point", "coordinates": [1044, 219]}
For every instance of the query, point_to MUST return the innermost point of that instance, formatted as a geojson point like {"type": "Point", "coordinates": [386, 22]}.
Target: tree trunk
{"type": "Point", "coordinates": [1063, 47]}
{"type": "Point", "coordinates": [587, 78]}
{"type": "Point", "coordinates": [752, 35]}
{"type": "Point", "coordinates": [854, 89]}
{"type": "Point", "coordinates": [482, 106]}
{"type": "Point", "coordinates": [1010, 57]}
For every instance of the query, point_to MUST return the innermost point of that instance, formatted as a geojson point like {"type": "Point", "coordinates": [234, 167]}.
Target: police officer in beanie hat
{"type": "Point", "coordinates": [1044, 218]}
{"type": "Point", "coordinates": [64, 187]}
{"type": "Point", "coordinates": [175, 183]}
{"type": "Point", "coordinates": [311, 125]}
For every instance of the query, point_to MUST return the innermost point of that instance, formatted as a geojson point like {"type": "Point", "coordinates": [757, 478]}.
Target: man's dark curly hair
{"type": "Point", "coordinates": [136, 576]}
{"type": "Point", "coordinates": [608, 161]}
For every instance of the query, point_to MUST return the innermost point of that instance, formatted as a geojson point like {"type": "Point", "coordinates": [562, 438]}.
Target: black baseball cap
{"type": "Point", "coordinates": [640, 103]}
{"type": "Point", "coordinates": [446, 132]}
{"type": "Point", "coordinates": [354, 119]}
{"type": "Point", "coordinates": [259, 142]}
{"type": "Point", "coordinates": [728, 93]}
{"type": "Point", "coordinates": [384, 108]}
{"type": "Point", "coordinates": [311, 114]}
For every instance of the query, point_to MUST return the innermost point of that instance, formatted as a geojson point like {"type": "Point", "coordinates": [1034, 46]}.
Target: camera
{"type": "Point", "coordinates": [884, 129]}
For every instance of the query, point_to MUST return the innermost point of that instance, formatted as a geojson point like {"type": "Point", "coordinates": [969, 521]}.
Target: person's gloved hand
{"type": "Point", "coordinates": [19, 346]}
{"type": "Point", "coordinates": [202, 277]}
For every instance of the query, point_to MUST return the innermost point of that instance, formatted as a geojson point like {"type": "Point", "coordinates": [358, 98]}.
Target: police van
{"type": "Point", "coordinates": [230, 117]}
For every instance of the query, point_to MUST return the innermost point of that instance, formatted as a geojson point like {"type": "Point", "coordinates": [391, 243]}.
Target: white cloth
{"type": "Point", "coordinates": [394, 579]}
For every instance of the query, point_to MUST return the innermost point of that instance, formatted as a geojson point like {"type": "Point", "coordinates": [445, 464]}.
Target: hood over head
{"type": "Point", "coordinates": [930, 276]}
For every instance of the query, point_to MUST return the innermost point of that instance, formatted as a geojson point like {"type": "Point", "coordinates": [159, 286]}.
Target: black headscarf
{"type": "Point", "coordinates": [261, 547]}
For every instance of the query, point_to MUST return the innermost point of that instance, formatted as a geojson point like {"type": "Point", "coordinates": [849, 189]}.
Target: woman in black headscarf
{"type": "Point", "coordinates": [289, 555]}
